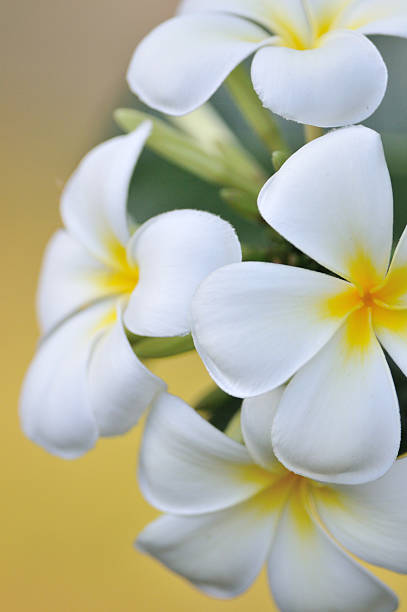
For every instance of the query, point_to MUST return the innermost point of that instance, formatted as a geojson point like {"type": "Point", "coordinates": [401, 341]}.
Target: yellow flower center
{"type": "Point", "coordinates": [315, 25]}
{"type": "Point", "coordinates": [285, 490]}
{"type": "Point", "coordinates": [373, 303]}
{"type": "Point", "coordinates": [289, 37]}
{"type": "Point", "coordinates": [121, 276]}
{"type": "Point", "coordinates": [117, 278]}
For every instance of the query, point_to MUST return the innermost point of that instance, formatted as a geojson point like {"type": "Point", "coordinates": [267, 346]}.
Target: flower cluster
{"type": "Point", "coordinates": [101, 278]}
{"type": "Point", "coordinates": [308, 465]}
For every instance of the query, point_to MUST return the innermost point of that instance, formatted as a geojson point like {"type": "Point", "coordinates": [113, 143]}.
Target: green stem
{"type": "Point", "coordinates": [157, 348]}
{"type": "Point", "coordinates": [261, 120]}
{"type": "Point", "coordinates": [208, 128]}
{"type": "Point", "coordinates": [311, 132]}
{"type": "Point", "coordinates": [182, 150]}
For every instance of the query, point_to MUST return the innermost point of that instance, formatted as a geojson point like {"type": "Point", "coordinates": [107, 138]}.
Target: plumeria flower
{"type": "Point", "coordinates": [312, 63]}
{"type": "Point", "coordinates": [231, 509]}
{"type": "Point", "coordinates": [257, 325]}
{"type": "Point", "coordinates": [98, 276]}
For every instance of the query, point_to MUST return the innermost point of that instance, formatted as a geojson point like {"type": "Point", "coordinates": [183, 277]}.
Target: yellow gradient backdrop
{"type": "Point", "coordinates": [67, 527]}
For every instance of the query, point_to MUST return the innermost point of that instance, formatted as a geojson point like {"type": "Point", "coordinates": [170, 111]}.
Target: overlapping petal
{"type": "Point", "coordinates": [333, 200]}
{"type": "Point", "coordinates": [181, 63]}
{"type": "Point", "coordinates": [70, 278]}
{"type": "Point", "coordinates": [376, 17]}
{"type": "Point", "coordinates": [394, 290]}
{"type": "Point", "coordinates": [325, 14]}
{"type": "Point", "coordinates": [256, 420]}
{"type": "Point", "coordinates": [175, 251]}
{"type": "Point", "coordinates": [221, 549]}
{"type": "Point", "coordinates": [94, 201]}
{"type": "Point", "coordinates": [391, 329]}
{"type": "Point", "coordinates": [189, 467]}
{"type": "Point", "coordinates": [342, 81]}
{"type": "Point", "coordinates": [85, 381]}
{"type": "Point", "coordinates": [308, 571]}
{"type": "Point", "coordinates": [254, 324]}
{"type": "Point", "coordinates": [256, 10]}
{"type": "Point", "coordinates": [55, 409]}
{"type": "Point", "coordinates": [120, 386]}
{"type": "Point", "coordinates": [288, 18]}
{"type": "Point", "coordinates": [370, 520]}
{"type": "Point", "coordinates": [221, 553]}
{"type": "Point", "coordinates": [336, 406]}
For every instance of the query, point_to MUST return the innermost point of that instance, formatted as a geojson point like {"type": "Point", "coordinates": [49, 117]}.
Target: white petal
{"type": "Point", "coordinates": [256, 10]}
{"type": "Point", "coordinates": [70, 278]}
{"type": "Point", "coordinates": [255, 324]}
{"type": "Point", "coordinates": [324, 15]}
{"type": "Point", "coordinates": [391, 329]}
{"type": "Point", "coordinates": [308, 572]}
{"type": "Point", "coordinates": [256, 421]}
{"type": "Point", "coordinates": [180, 64]}
{"type": "Point", "coordinates": [281, 18]}
{"type": "Point", "coordinates": [189, 467]}
{"type": "Point", "coordinates": [376, 17]}
{"type": "Point", "coordinates": [370, 519]}
{"type": "Point", "coordinates": [340, 82]}
{"type": "Point", "coordinates": [221, 553]}
{"type": "Point", "coordinates": [175, 251]}
{"type": "Point", "coordinates": [120, 386]}
{"type": "Point", "coordinates": [54, 407]}
{"type": "Point", "coordinates": [94, 201]}
{"type": "Point", "coordinates": [333, 200]}
{"type": "Point", "coordinates": [344, 399]}
{"type": "Point", "coordinates": [394, 291]}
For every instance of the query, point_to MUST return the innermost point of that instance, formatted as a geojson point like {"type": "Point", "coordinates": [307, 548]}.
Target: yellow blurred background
{"type": "Point", "coordinates": [67, 527]}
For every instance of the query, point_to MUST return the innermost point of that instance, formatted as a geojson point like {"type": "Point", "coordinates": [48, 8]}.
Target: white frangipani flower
{"type": "Point", "coordinates": [256, 325]}
{"type": "Point", "coordinates": [97, 278]}
{"type": "Point", "coordinates": [232, 509]}
{"type": "Point", "coordinates": [312, 63]}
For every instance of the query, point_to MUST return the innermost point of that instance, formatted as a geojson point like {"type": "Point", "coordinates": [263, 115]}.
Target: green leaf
{"type": "Point", "coordinates": [157, 348]}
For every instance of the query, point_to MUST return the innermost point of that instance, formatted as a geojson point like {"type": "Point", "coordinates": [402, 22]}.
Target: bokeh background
{"type": "Point", "coordinates": [67, 527]}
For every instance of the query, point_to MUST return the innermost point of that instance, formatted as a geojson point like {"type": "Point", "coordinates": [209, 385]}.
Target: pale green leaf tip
{"type": "Point", "coordinates": [279, 158]}
{"type": "Point", "coordinates": [128, 119]}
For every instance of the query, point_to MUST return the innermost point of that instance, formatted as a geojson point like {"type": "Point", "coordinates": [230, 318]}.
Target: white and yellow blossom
{"type": "Point", "coordinates": [231, 509]}
{"type": "Point", "coordinates": [312, 63]}
{"type": "Point", "coordinates": [100, 276]}
{"type": "Point", "coordinates": [257, 325]}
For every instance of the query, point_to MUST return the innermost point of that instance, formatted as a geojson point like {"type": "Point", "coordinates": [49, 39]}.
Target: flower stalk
{"type": "Point", "coordinates": [158, 348]}
{"type": "Point", "coordinates": [259, 118]}
{"type": "Point", "coordinates": [229, 168]}
{"type": "Point", "coordinates": [311, 132]}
